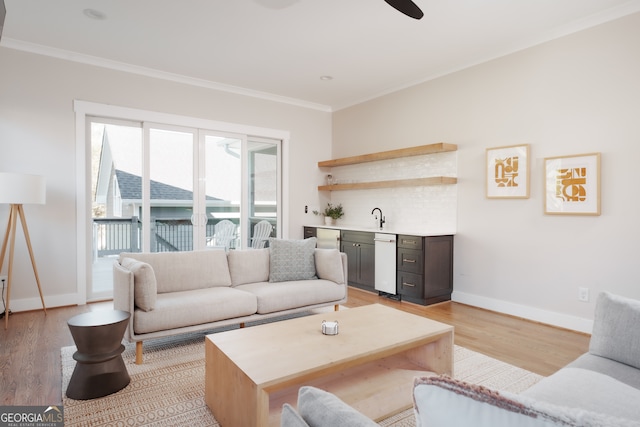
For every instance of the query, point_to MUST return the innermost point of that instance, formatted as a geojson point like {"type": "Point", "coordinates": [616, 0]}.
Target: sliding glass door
{"type": "Point", "coordinates": [264, 191]}
{"type": "Point", "coordinates": [161, 187]}
{"type": "Point", "coordinates": [116, 198]}
{"type": "Point", "coordinates": [241, 175]}
{"type": "Point", "coordinates": [168, 192]}
{"type": "Point", "coordinates": [221, 173]}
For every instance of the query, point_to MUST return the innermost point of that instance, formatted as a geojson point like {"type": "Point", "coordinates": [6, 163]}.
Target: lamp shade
{"type": "Point", "coordinates": [18, 188]}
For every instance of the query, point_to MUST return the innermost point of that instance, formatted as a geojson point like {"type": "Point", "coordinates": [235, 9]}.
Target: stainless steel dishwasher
{"type": "Point", "coordinates": [385, 246]}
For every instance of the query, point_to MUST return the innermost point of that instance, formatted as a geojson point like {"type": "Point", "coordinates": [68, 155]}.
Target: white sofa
{"type": "Point", "coordinates": [170, 293]}
{"type": "Point", "coordinates": [600, 388]}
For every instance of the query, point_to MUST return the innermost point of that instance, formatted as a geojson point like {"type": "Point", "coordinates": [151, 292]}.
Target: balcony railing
{"type": "Point", "coordinates": [111, 236]}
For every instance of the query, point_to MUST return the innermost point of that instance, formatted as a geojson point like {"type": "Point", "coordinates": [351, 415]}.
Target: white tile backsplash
{"type": "Point", "coordinates": [424, 209]}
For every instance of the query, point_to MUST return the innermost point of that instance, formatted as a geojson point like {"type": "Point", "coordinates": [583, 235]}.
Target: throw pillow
{"type": "Point", "coordinates": [616, 334]}
{"type": "Point", "coordinates": [145, 288]}
{"type": "Point", "coordinates": [292, 259]}
{"type": "Point", "coordinates": [248, 266]}
{"type": "Point", "coordinates": [329, 265]}
{"type": "Point", "coordinates": [320, 408]}
{"type": "Point", "coordinates": [290, 418]}
{"type": "Point", "coordinates": [441, 401]}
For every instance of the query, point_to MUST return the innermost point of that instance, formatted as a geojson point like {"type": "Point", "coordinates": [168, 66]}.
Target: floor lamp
{"type": "Point", "coordinates": [18, 189]}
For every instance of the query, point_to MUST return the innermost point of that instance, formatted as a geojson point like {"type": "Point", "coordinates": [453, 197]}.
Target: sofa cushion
{"type": "Point", "coordinates": [329, 265]}
{"type": "Point", "coordinates": [294, 294]}
{"type": "Point", "coordinates": [441, 401]}
{"type": "Point", "coordinates": [188, 308]}
{"type": "Point", "coordinates": [616, 334]}
{"type": "Point", "coordinates": [616, 370]}
{"type": "Point", "coordinates": [248, 266]}
{"type": "Point", "coordinates": [583, 388]}
{"type": "Point", "coordinates": [292, 259]}
{"type": "Point", "coordinates": [145, 287]}
{"type": "Point", "coordinates": [183, 271]}
{"type": "Point", "coordinates": [319, 408]}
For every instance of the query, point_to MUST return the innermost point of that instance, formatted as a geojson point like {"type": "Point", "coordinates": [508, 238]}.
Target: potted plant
{"type": "Point", "coordinates": [331, 213]}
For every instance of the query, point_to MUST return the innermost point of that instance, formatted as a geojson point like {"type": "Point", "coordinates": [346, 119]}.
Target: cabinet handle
{"type": "Point", "coordinates": [408, 260]}
{"type": "Point", "coordinates": [408, 284]}
{"type": "Point", "coordinates": [409, 242]}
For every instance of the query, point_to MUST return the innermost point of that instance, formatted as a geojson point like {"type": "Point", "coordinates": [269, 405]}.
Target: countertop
{"type": "Point", "coordinates": [387, 230]}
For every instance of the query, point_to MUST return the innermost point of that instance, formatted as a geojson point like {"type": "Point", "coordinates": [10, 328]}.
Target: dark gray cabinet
{"type": "Point", "coordinates": [360, 250]}
{"type": "Point", "coordinates": [425, 268]}
{"type": "Point", "coordinates": [424, 264]}
{"type": "Point", "coordinates": [309, 232]}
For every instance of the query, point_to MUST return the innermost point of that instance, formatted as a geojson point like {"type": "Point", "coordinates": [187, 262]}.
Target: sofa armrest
{"type": "Point", "coordinates": [616, 335]}
{"type": "Point", "coordinates": [123, 294]}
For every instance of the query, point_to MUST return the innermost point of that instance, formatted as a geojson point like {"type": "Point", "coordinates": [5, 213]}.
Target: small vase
{"type": "Point", "coordinates": [329, 221]}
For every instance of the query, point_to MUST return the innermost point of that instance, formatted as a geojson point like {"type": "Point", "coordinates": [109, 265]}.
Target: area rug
{"type": "Point", "coordinates": [168, 389]}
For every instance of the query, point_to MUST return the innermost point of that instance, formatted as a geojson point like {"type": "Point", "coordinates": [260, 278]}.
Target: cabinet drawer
{"type": "Point", "coordinates": [410, 260]}
{"type": "Point", "coordinates": [410, 242]}
{"type": "Point", "coordinates": [410, 284]}
{"type": "Point", "coordinates": [357, 236]}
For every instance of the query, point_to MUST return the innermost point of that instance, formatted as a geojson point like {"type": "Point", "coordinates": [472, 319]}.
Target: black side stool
{"type": "Point", "coordinates": [99, 370]}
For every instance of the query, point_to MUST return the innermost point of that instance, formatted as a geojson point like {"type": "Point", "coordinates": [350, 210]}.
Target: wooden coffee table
{"type": "Point", "coordinates": [370, 364]}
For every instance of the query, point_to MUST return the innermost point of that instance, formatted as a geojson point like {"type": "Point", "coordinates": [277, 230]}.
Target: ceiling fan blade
{"type": "Point", "coordinates": [3, 13]}
{"type": "Point", "coordinates": [407, 7]}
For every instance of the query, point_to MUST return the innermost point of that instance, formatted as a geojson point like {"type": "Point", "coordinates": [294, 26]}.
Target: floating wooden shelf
{"type": "Point", "coordinates": [412, 182]}
{"type": "Point", "coordinates": [439, 147]}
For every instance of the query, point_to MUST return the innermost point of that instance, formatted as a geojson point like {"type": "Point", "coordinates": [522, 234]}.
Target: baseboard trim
{"type": "Point", "coordinates": [530, 313]}
{"type": "Point", "coordinates": [51, 301]}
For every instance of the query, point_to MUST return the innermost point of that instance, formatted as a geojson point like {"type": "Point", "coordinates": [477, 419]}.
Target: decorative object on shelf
{"type": "Point", "coordinates": [330, 328]}
{"type": "Point", "coordinates": [331, 213]}
{"type": "Point", "coordinates": [17, 189]}
{"type": "Point", "coordinates": [508, 172]}
{"type": "Point", "coordinates": [330, 179]}
{"type": "Point", "coordinates": [572, 185]}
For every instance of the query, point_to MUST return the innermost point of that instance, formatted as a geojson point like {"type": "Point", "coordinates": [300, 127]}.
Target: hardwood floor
{"type": "Point", "coordinates": [30, 347]}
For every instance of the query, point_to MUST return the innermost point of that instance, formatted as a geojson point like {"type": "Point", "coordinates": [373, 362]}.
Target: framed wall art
{"type": "Point", "coordinates": [508, 172]}
{"type": "Point", "coordinates": [572, 185]}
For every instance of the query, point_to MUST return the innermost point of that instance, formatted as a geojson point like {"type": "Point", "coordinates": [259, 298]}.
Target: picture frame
{"type": "Point", "coordinates": [508, 172]}
{"type": "Point", "coordinates": [572, 185]}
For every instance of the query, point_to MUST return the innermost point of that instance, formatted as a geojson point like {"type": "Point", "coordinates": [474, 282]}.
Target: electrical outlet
{"type": "Point", "coordinates": [583, 294]}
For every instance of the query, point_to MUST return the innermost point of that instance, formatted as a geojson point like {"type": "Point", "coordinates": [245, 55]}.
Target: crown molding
{"type": "Point", "coordinates": [150, 72]}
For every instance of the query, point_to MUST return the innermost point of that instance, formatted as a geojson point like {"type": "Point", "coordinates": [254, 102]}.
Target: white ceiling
{"type": "Point", "coordinates": [279, 49]}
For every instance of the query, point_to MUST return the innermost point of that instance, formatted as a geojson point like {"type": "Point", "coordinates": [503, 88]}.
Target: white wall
{"type": "Point", "coordinates": [574, 95]}
{"type": "Point", "coordinates": [37, 135]}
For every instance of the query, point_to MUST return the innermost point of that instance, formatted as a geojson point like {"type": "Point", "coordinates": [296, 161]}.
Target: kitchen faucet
{"type": "Point", "coordinates": [382, 220]}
